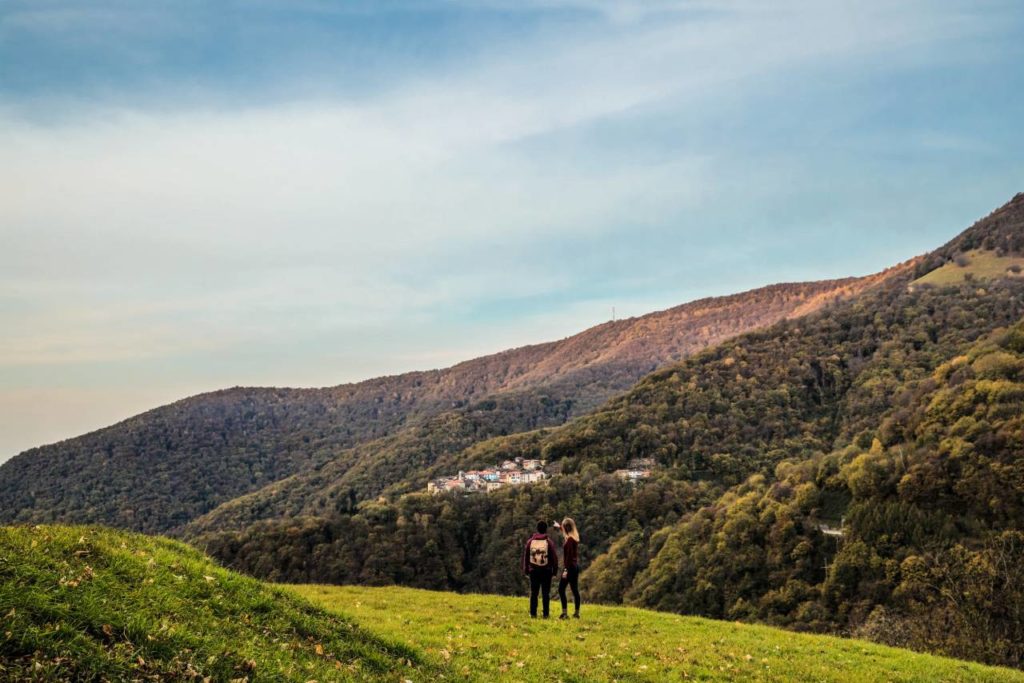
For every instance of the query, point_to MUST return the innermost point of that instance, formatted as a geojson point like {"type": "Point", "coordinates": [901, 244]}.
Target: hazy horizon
{"type": "Point", "coordinates": [195, 197]}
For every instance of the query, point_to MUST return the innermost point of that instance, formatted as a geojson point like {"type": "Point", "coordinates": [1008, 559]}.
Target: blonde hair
{"type": "Point", "coordinates": [570, 530]}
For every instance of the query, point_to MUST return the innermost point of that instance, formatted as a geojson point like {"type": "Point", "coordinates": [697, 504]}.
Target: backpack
{"type": "Point", "coordinates": [539, 552]}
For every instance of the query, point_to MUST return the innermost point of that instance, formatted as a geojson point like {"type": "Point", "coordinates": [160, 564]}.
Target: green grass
{"type": "Point", "coordinates": [85, 604]}
{"type": "Point", "coordinates": [91, 604]}
{"type": "Point", "coordinates": [983, 265]}
{"type": "Point", "coordinates": [486, 638]}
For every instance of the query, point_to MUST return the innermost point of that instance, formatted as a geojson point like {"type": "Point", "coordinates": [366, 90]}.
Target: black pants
{"type": "Point", "coordinates": [571, 579]}
{"type": "Point", "coordinates": [540, 581]}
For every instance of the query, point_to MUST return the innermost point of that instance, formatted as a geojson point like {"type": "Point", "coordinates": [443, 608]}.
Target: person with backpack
{"type": "Point", "coordinates": [540, 563]}
{"type": "Point", "coordinates": [571, 566]}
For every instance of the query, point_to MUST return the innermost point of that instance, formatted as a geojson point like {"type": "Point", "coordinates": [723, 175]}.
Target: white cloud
{"type": "Point", "coordinates": [140, 234]}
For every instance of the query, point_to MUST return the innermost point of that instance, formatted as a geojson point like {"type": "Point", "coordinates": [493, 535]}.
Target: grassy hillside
{"type": "Point", "coordinates": [83, 604]}
{"type": "Point", "coordinates": [490, 638]}
{"type": "Point", "coordinates": [977, 264]}
{"type": "Point", "coordinates": [999, 232]}
{"type": "Point", "coordinates": [91, 604]}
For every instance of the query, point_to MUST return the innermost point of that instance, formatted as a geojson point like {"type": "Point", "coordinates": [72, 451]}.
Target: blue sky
{"type": "Point", "coordinates": [205, 194]}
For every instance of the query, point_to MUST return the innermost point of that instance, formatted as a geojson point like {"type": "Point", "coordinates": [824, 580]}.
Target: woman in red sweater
{"type": "Point", "coordinates": [571, 567]}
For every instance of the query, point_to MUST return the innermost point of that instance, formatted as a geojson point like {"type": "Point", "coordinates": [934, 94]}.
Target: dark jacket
{"type": "Point", "coordinates": [552, 565]}
{"type": "Point", "coordinates": [571, 552]}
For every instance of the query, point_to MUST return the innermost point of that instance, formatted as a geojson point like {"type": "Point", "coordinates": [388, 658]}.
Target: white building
{"type": "Point", "coordinates": [632, 474]}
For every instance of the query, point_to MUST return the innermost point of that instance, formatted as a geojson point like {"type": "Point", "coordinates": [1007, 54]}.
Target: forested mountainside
{"type": "Point", "coordinates": [931, 515]}
{"type": "Point", "coordinates": [892, 421]}
{"type": "Point", "coordinates": [163, 468]}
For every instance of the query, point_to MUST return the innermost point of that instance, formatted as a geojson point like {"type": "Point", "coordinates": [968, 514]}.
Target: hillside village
{"type": "Point", "coordinates": [509, 473]}
{"type": "Point", "coordinates": [521, 471]}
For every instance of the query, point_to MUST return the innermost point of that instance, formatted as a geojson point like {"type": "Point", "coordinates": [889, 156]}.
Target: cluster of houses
{"type": "Point", "coordinates": [522, 471]}
{"type": "Point", "coordinates": [508, 473]}
{"type": "Point", "coordinates": [639, 468]}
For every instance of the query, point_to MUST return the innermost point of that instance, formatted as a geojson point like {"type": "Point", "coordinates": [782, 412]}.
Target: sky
{"type": "Point", "coordinates": [196, 194]}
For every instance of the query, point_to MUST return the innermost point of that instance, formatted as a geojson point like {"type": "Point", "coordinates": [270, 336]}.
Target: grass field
{"type": "Point", "coordinates": [92, 604]}
{"type": "Point", "coordinates": [983, 265]}
{"type": "Point", "coordinates": [492, 638]}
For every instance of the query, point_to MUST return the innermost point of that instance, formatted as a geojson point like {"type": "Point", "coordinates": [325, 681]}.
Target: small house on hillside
{"type": "Point", "coordinates": [632, 474]}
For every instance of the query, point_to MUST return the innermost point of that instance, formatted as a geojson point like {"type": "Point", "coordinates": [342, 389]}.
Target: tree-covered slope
{"type": "Point", "coordinates": [791, 393]}
{"type": "Point", "coordinates": [405, 461]}
{"type": "Point", "coordinates": [931, 515]}
{"type": "Point", "coordinates": [163, 468]}
{"type": "Point", "coordinates": [88, 604]}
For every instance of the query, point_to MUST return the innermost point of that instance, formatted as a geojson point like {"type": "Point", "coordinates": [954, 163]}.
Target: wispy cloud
{"type": "Point", "coordinates": [204, 186]}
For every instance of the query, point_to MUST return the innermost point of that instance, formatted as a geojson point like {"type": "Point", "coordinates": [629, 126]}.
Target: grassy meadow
{"type": "Point", "coordinates": [483, 637]}
{"type": "Point", "coordinates": [981, 264]}
{"type": "Point", "coordinates": [93, 604]}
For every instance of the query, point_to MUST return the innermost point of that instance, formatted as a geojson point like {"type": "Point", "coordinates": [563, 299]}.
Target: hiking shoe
{"type": "Point", "coordinates": [576, 616]}
{"type": "Point", "coordinates": [564, 616]}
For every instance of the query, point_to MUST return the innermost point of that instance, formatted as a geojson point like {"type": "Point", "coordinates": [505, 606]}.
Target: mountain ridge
{"type": "Point", "coordinates": [179, 461]}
